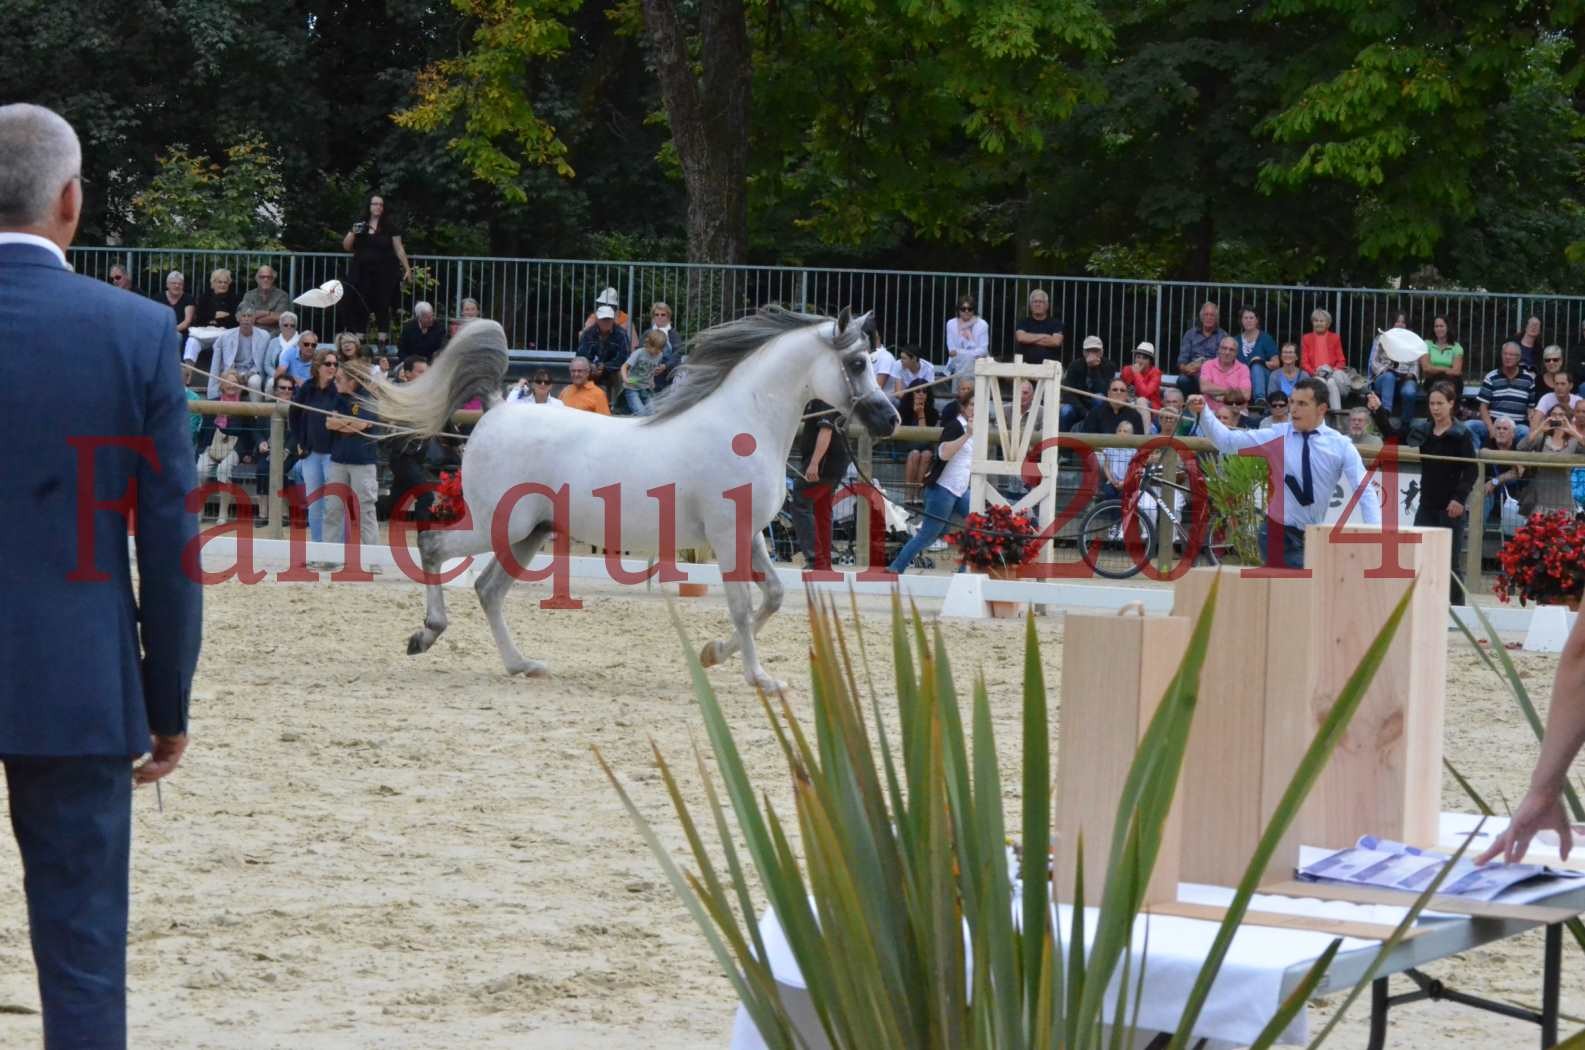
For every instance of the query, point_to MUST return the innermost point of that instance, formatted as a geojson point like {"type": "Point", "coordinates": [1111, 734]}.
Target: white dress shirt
{"type": "Point", "coordinates": [1333, 458]}
{"type": "Point", "coordinates": [37, 242]}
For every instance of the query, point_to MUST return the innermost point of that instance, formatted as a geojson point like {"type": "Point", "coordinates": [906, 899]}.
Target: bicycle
{"type": "Point", "coordinates": [1117, 537]}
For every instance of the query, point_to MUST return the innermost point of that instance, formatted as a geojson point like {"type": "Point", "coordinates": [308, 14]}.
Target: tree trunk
{"type": "Point", "coordinates": [709, 117]}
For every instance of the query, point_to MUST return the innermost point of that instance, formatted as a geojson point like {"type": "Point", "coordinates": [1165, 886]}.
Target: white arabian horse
{"type": "Point", "coordinates": [729, 421]}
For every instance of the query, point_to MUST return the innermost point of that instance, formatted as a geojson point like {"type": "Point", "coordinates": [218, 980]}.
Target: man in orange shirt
{"type": "Point", "coordinates": [581, 392]}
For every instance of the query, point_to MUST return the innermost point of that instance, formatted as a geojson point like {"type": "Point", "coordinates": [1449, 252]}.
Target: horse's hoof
{"type": "Point", "coordinates": [420, 641]}
{"type": "Point", "coordinates": [766, 684]}
{"type": "Point", "coordinates": [529, 669]}
{"type": "Point", "coordinates": [710, 655]}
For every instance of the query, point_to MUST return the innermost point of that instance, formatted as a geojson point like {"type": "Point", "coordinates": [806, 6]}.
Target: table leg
{"type": "Point", "coordinates": [1378, 1014]}
{"type": "Point", "coordinates": [1551, 978]}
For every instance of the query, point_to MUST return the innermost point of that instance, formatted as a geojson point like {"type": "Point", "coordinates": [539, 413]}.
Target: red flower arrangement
{"type": "Point", "coordinates": [998, 538]}
{"type": "Point", "coordinates": [1544, 563]}
{"type": "Point", "coordinates": [448, 505]}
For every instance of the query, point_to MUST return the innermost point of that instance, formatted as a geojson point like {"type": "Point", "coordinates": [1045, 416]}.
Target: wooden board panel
{"type": "Point", "coordinates": [1114, 671]}
{"type": "Point", "coordinates": [1386, 776]}
{"type": "Point", "coordinates": [1290, 668]}
{"type": "Point", "coordinates": [1332, 891]}
{"type": "Point", "coordinates": [1225, 771]}
{"type": "Point", "coordinates": [1365, 931]}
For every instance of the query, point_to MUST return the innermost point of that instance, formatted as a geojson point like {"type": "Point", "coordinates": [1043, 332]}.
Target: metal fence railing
{"type": "Point", "coordinates": [543, 303]}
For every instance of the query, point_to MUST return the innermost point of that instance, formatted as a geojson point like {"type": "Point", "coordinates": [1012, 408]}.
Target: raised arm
{"type": "Point", "coordinates": [1227, 440]}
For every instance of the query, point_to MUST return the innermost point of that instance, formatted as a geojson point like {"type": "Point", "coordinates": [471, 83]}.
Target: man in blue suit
{"type": "Point", "coordinates": [91, 677]}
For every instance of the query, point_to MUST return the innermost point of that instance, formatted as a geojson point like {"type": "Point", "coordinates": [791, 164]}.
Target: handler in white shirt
{"type": "Point", "coordinates": [1314, 459]}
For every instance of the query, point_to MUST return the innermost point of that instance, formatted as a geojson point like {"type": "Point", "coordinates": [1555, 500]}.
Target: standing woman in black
{"type": "Point", "coordinates": [1444, 485]}
{"type": "Point", "coordinates": [379, 266]}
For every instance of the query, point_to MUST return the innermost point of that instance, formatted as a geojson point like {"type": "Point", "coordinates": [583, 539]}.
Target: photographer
{"type": "Point", "coordinates": [379, 266]}
{"type": "Point", "coordinates": [1550, 487]}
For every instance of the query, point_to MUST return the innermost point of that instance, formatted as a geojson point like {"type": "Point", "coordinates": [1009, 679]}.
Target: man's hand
{"type": "Point", "coordinates": [1540, 811]}
{"type": "Point", "coordinates": [1195, 404]}
{"type": "Point", "coordinates": [165, 754]}
{"type": "Point", "coordinates": [1372, 402]}
{"type": "Point", "coordinates": [813, 473]}
{"type": "Point", "coordinates": [1192, 368]}
{"type": "Point", "coordinates": [1455, 509]}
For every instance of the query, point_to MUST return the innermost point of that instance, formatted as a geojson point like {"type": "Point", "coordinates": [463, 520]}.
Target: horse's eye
{"type": "Point", "coordinates": [856, 366]}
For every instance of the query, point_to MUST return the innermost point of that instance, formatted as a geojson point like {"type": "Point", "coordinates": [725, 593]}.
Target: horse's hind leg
{"type": "Point", "coordinates": [434, 549]}
{"type": "Point", "coordinates": [770, 584]}
{"type": "Point", "coordinates": [492, 586]}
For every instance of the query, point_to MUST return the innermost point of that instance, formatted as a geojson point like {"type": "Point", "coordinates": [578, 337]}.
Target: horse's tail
{"type": "Point", "coordinates": [473, 365]}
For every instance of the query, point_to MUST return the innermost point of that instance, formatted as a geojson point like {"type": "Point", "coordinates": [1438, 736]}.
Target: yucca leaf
{"type": "Point", "coordinates": [1469, 789]}
{"type": "Point", "coordinates": [1304, 778]}
{"type": "Point", "coordinates": [996, 912]}
{"type": "Point", "coordinates": [734, 867]}
{"type": "Point", "coordinates": [1395, 937]}
{"type": "Point", "coordinates": [1034, 869]}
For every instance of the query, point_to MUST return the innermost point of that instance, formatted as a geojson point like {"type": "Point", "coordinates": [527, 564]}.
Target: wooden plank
{"type": "Point", "coordinates": [1365, 931]}
{"type": "Point", "coordinates": [1385, 778]}
{"type": "Point", "coordinates": [1114, 672]}
{"type": "Point", "coordinates": [1334, 891]}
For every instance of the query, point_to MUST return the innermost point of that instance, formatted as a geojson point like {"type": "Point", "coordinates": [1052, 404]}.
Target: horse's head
{"type": "Point", "coordinates": [845, 378]}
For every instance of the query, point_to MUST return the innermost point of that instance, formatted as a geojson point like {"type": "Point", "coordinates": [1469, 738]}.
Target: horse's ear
{"type": "Point", "coordinates": [844, 316]}
{"type": "Point", "coordinates": [867, 323]}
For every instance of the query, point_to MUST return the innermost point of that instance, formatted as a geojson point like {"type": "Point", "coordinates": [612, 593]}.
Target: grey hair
{"type": "Point", "coordinates": [176, 274]}
{"type": "Point", "coordinates": [42, 155]}
{"type": "Point", "coordinates": [422, 309]}
{"type": "Point", "coordinates": [715, 352]}
{"type": "Point", "coordinates": [286, 315]}
{"type": "Point", "coordinates": [579, 359]}
{"type": "Point", "coordinates": [469, 301]}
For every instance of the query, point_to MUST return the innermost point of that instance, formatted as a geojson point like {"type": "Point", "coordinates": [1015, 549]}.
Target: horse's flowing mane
{"type": "Point", "coordinates": [714, 352]}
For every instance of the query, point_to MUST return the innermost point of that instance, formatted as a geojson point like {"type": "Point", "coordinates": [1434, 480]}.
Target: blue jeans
{"type": "Point", "coordinates": [942, 509]}
{"type": "Point", "coordinates": [316, 470]}
{"type": "Point", "coordinates": [637, 401]}
{"type": "Point", "coordinates": [73, 823]}
{"type": "Point", "coordinates": [1068, 417]}
{"type": "Point", "coordinates": [1393, 388]}
{"type": "Point", "coordinates": [1292, 544]}
{"type": "Point", "coordinates": [1258, 377]}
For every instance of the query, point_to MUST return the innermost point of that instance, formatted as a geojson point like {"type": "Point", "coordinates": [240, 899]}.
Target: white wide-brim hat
{"type": "Point", "coordinates": [1402, 346]}
{"type": "Point", "coordinates": [608, 298]}
{"type": "Point", "coordinates": [327, 294]}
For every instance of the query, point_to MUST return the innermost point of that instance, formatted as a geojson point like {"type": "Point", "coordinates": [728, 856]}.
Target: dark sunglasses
{"type": "Point", "coordinates": [541, 382]}
{"type": "Point", "coordinates": [307, 345]}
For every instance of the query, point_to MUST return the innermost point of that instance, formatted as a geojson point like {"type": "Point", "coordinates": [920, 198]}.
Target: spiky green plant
{"type": "Point", "coordinates": [903, 890]}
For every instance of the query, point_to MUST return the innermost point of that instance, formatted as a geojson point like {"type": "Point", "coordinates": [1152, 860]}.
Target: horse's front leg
{"type": "Point", "coordinates": [770, 584]}
{"type": "Point", "coordinates": [740, 607]}
{"type": "Point", "coordinates": [435, 548]}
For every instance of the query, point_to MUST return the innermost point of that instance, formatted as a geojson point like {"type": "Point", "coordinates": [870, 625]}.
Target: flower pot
{"type": "Point", "coordinates": [692, 590]}
{"type": "Point", "coordinates": [1003, 610]}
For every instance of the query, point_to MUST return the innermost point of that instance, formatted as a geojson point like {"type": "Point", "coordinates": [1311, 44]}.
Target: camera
{"type": "Point", "coordinates": [359, 227]}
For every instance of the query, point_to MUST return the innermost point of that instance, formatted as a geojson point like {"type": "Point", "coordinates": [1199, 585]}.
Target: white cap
{"type": "Point", "coordinates": [1093, 342]}
{"type": "Point", "coordinates": [604, 313]}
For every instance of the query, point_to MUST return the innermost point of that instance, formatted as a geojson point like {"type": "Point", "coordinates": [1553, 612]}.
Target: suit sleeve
{"type": "Point", "coordinates": [170, 602]}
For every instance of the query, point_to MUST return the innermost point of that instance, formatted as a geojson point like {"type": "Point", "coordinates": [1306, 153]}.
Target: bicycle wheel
{"type": "Point", "coordinates": [1115, 543]}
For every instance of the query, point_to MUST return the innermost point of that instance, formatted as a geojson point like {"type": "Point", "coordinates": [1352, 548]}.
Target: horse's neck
{"type": "Point", "coordinates": [765, 395]}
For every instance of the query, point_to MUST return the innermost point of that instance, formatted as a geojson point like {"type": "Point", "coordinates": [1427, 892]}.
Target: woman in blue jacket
{"type": "Point", "coordinates": [314, 399]}
{"type": "Point", "coordinates": [1257, 350]}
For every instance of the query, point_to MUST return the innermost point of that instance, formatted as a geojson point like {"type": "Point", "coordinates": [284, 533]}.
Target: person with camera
{"type": "Point", "coordinates": [1551, 488]}
{"type": "Point", "coordinates": [379, 266]}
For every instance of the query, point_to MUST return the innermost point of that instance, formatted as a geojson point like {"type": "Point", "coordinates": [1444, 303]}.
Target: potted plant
{"type": "Point", "coordinates": [997, 542]}
{"type": "Point", "coordinates": [1544, 562]}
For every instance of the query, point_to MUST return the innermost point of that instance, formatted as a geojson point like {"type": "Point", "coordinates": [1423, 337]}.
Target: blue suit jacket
{"type": "Point", "coordinates": [93, 412]}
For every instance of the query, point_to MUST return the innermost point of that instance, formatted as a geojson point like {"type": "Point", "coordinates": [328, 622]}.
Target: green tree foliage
{"type": "Point", "coordinates": [193, 203]}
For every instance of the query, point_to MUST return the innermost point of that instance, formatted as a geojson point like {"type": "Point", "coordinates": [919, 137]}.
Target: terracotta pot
{"type": "Point", "coordinates": [1004, 610]}
{"type": "Point", "coordinates": [692, 590]}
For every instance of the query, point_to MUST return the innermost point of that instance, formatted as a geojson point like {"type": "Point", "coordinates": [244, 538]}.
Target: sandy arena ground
{"type": "Point", "coordinates": [364, 849]}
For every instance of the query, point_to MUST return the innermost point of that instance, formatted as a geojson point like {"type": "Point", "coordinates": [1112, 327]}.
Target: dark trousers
{"type": "Point", "coordinates": [810, 508]}
{"type": "Point", "coordinates": [73, 823]}
{"type": "Point", "coordinates": [408, 473]}
{"type": "Point", "coordinates": [1438, 518]}
{"type": "Point", "coordinates": [1292, 544]}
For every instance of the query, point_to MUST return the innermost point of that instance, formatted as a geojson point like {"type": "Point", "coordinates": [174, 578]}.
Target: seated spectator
{"type": "Point", "coordinates": [1030, 415]}
{"type": "Point", "coordinates": [269, 365]}
{"type": "Point", "coordinates": [1144, 379]}
{"type": "Point", "coordinates": [1113, 409]}
{"type": "Point", "coordinates": [1257, 351]}
{"type": "Point", "coordinates": [1287, 374]}
{"type": "Point", "coordinates": [225, 444]}
{"type": "Point", "coordinates": [1229, 417]}
{"type": "Point", "coordinates": [119, 277]}
{"type": "Point", "coordinates": [1277, 410]}
{"type": "Point", "coordinates": [1397, 384]}
{"type": "Point", "coordinates": [1224, 380]}
{"type": "Point", "coordinates": [349, 346]}
{"type": "Point", "coordinates": [238, 349]}
{"type": "Point", "coordinates": [181, 305]}
{"type": "Point", "coordinates": [216, 308]}
{"type": "Point", "coordinates": [1173, 420]}
{"type": "Point", "coordinates": [1508, 390]}
{"type": "Point", "coordinates": [1551, 489]}
{"type": "Point", "coordinates": [1529, 340]}
{"type": "Point", "coordinates": [619, 316]}
{"type": "Point", "coordinates": [583, 393]}
{"type": "Point", "coordinates": [1039, 336]}
{"type": "Point", "coordinates": [535, 391]}
{"type": "Point", "coordinates": [1115, 463]}
{"type": "Point", "coordinates": [1505, 481]}
{"type": "Point", "coordinates": [946, 491]}
{"type": "Point", "coordinates": [1198, 346]}
{"type": "Point", "coordinates": [671, 360]}
{"type": "Point", "coordinates": [354, 462]}
{"type": "Point", "coordinates": [1559, 387]}
{"type": "Point", "coordinates": [1321, 355]}
{"type": "Point", "coordinates": [638, 374]}
{"type": "Point", "coordinates": [1359, 431]}
{"type": "Point", "coordinates": [468, 310]}
{"type": "Point", "coordinates": [912, 371]}
{"type": "Point", "coordinates": [422, 336]}
{"type": "Point", "coordinates": [607, 349]}
{"type": "Point", "coordinates": [1444, 358]}
{"type": "Point", "coordinates": [968, 338]}
{"type": "Point", "coordinates": [284, 387]}
{"type": "Point", "coordinates": [885, 366]}
{"type": "Point", "coordinates": [269, 300]}
{"type": "Point", "coordinates": [1087, 383]}
{"type": "Point", "coordinates": [918, 409]}
{"type": "Point", "coordinates": [297, 360]}
{"type": "Point", "coordinates": [963, 387]}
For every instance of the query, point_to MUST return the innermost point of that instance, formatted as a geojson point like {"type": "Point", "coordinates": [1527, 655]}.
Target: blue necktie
{"type": "Point", "coordinates": [1305, 493]}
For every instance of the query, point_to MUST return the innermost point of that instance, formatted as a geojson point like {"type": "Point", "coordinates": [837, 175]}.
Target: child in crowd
{"type": "Point", "coordinates": [1116, 461]}
{"type": "Point", "coordinates": [638, 373]}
